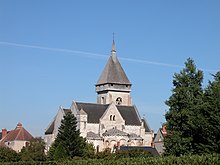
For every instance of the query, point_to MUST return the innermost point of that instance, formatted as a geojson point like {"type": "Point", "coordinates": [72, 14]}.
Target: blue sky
{"type": "Point", "coordinates": [53, 52]}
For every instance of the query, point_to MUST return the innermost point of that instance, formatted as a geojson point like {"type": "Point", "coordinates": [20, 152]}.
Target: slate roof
{"type": "Point", "coordinates": [146, 126]}
{"type": "Point", "coordinates": [95, 112]}
{"type": "Point", "coordinates": [115, 132]}
{"type": "Point", "coordinates": [92, 135]}
{"type": "Point", "coordinates": [19, 133]}
{"type": "Point", "coordinates": [134, 136]}
{"type": "Point", "coordinates": [50, 129]}
{"type": "Point", "coordinates": [129, 114]}
{"type": "Point", "coordinates": [113, 72]}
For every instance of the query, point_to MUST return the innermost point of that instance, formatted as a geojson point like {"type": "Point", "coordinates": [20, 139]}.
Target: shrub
{"type": "Point", "coordinates": [8, 155]}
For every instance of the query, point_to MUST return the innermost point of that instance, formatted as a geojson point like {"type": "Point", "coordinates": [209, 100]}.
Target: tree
{"type": "Point", "coordinates": [34, 151]}
{"type": "Point", "coordinates": [209, 134]}
{"type": "Point", "coordinates": [8, 155]}
{"type": "Point", "coordinates": [68, 140]}
{"type": "Point", "coordinates": [184, 106]}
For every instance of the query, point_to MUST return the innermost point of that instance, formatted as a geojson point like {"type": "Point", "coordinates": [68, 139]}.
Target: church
{"type": "Point", "coordinates": [112, 121]}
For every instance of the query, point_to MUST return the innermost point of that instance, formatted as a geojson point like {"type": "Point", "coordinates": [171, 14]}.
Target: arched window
{"type": "Point", "coordinates": [113, 118]}
{"type": "Point", "coordinates": [119, 101]}
{"type": "Point", "coordinates": [110, 117]}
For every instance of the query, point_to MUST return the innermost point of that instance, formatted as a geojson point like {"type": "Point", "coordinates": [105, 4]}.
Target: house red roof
{"type": "Point", "coordinates": [19, 133]}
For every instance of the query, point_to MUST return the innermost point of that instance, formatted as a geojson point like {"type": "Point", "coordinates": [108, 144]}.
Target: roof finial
{"type": "Point", "coordinates": [113, 43]}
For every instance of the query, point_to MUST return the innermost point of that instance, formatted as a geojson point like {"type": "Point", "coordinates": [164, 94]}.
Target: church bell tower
{"type": "Point", "coordinates": [113, 84]}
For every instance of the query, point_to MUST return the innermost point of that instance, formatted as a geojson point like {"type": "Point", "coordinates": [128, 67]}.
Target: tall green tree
{"type": "Point", "coordinates": [184, 106]}
{"type": "Point", "coordinates": [68, 142]}
{"type": "Point", "coordinates": [209, 134]}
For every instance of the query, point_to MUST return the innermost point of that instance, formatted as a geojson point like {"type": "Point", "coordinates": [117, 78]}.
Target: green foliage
{"type": "Point", "coordinates": [34, 151]}
{"type": "Point", "coordinates": [209, 134]}
{"type": "Point", "coordinates": [8, 155]}
{"type": "Point", "coordinates": [184, 108]}
{"type": "Point", "coordinates": [138, 152]}
{"type": "Point", "coordinates": [60, 153]}
{"type": "Point", "coordinates": [193, 117]}
{"type": "Point", "coordinates": [88, 151]}
{"type": "Point", "coordinates": [130, 153]}
{"type": "Point", "coordinates": [210, 159]}
{"type": "Point", "coordinates": [106, 154]}
{"type": "Point", "coordinates": [70, 141]}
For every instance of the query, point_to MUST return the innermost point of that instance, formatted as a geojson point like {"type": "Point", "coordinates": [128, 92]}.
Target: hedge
{"type": "Point", "coordinates": [211, 159]}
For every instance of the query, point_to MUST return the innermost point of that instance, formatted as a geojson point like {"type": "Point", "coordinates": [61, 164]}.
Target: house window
{"type": "Point", "coordinates": [27, 144]}
{"type": "Point", "coordinates": [103, 100]}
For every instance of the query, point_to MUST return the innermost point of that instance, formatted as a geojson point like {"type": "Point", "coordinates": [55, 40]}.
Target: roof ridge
{"type": "Point", "coordinates": [19, 131]}
{"type": "Point", "coordinates": [91, 103]}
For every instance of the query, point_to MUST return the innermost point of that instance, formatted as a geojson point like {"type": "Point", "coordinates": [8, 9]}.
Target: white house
{"type": "Point", "coordinates": [16, 139]}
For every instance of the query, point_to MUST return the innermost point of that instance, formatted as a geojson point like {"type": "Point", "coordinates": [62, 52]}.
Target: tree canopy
{"type": "Point", "coordinates": [34, 151]}
{"type": "Point", "coordinates": [193, 117]}
{"type": "Point", "coordinates": [69, 143]}
{"type": "Point", "coordinates": [8, 155]}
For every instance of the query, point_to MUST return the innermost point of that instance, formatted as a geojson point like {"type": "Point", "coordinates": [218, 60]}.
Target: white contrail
{"type": "Point", "coordinates": [52, 49]}
{"type": "Point", "coordinates": [151, 62]}
{"type": "Point", "coordinates": [98, 55]}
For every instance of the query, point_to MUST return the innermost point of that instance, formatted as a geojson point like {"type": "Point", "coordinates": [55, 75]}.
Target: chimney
{"type": "Point", "coordinates": [164, 130]}
{"type": "Point", "coordinates": [4, 133]}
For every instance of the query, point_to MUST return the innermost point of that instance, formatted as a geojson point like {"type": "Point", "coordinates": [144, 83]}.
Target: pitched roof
{"type": "Point", "coordinates": [95, 112]}
{"type": "Point", "coordinates": [50, 128]}
{"type": "Point", "coordinates": [115, 132]}
{"type": "Point", "coordinates": [113, 72]}
{"type": "Point", "coordinates": [146, 125]}
{"type": "Point", "coordinates": [134, 136]}
{"type": "Point", "coordinates": [19, 133]}
{"type": "Point", "coordinates": [129, 114]}
{"type": "Point", "coordinates": [92, 135]}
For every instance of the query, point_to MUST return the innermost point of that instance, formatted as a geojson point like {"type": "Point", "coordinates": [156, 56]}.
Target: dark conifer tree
{"type": "Point", "coordinates": [68, 139]}
{"type": "Point", "coordinates": [184, 106]}
{"type": "Point", "coordinates": [209, 133]}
